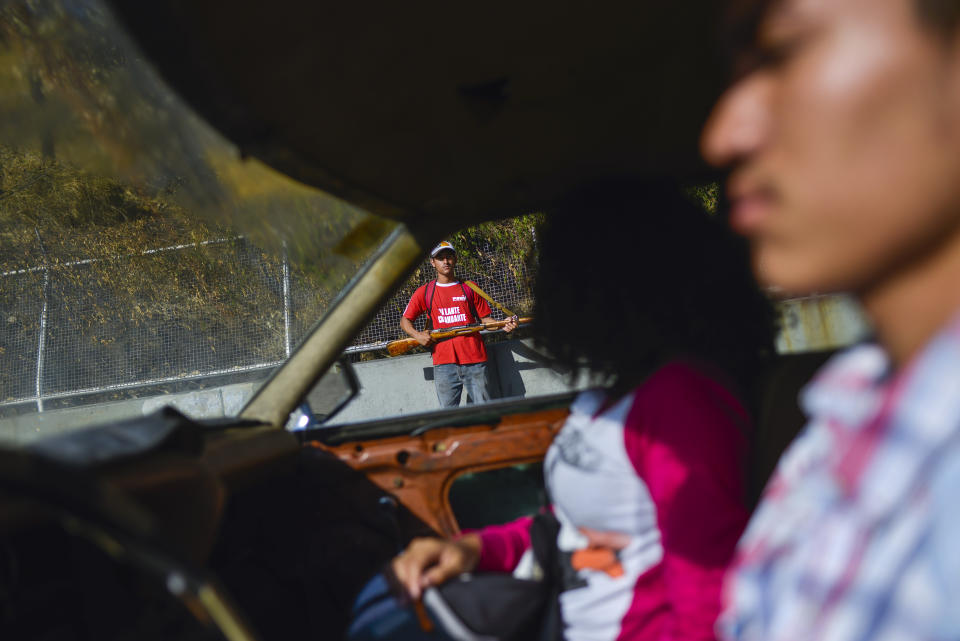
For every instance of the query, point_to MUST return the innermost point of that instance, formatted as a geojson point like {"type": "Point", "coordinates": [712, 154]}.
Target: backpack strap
{"type": "Point", "coordinates": [431, 288]}
{"type": "Point", "coordinates": [473, 310]}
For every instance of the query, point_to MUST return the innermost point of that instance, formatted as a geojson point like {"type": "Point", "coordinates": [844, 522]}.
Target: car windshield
{"type": "Point", "coordinates": [146, 261]}
{"type": "Point", "coordinates": [140, 252]}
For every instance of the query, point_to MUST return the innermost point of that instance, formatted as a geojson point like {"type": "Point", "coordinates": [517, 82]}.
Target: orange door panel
{"type": "Point", "coordinates": [419, 470]}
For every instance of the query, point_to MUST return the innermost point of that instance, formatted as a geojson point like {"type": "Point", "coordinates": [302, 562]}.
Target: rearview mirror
{"type": "Point", "coordinates": [337, 387]}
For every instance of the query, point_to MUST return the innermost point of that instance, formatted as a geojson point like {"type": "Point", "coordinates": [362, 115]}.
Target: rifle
{"type": "Point", "coordinates": [404, 345]}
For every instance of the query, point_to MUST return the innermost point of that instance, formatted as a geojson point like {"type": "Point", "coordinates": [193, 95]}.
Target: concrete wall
{"type": "Point", "coordinates": [404, 385]}
{"type": "Point", "coordinates": [389, 387]}
{"type": "Point", "coordinates": [209, 403]}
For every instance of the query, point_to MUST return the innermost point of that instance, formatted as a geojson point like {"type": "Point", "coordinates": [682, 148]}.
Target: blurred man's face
{"type": "Point", "coordinates": [844, 144]}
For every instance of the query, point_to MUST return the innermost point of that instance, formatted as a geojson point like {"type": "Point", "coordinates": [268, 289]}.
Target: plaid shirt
{"type": "Point", "coordinates": [858, 533]}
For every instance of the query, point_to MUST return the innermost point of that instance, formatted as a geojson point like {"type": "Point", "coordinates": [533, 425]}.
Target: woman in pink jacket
{"type": "Point", "coordinates": [647, 475]}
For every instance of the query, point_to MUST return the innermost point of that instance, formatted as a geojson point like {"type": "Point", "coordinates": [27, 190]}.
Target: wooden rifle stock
{"type": "Point", "coordinates": [404, 345]}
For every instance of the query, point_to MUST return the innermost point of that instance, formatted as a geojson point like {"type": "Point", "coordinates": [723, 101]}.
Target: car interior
{"type": "Point", "coordinates": [165, 526]}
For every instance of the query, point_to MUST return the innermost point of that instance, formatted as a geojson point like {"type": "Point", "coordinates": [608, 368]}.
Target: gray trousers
{"type": "Point", "coordinates": [450, 379]}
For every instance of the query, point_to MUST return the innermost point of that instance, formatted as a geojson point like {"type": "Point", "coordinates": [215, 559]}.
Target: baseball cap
{"type": "Point", "coordinates": [439, 248]}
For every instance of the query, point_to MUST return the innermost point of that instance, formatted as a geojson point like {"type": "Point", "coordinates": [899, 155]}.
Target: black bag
{"type": "Point", "coordinates": [473, 607]}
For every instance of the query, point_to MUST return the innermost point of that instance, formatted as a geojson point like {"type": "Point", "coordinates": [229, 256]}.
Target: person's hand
{"type": "Point", "coordinates": [511, 324]}
{"type": "Point", "coordinates": [424, 338]}
{"type": "Point", "coordinates": [431, 561]}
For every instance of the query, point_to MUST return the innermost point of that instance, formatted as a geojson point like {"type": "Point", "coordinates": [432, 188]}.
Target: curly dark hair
{"type": "Point", "coordinates": [634, 273]}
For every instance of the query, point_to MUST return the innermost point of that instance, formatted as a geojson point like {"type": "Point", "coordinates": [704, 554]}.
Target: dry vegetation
{"type": "Point", "coordinates": [119, 302]}
{"type": "Point", "coordinates": [153, 176]}
{"type": "Point", "coordinates": [125, 314]}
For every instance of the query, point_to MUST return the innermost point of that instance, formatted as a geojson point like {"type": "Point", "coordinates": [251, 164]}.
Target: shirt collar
{"type": "Point", "coordinates": [846, 390]}
{"type": "Point", "coordinates": [887, 426]}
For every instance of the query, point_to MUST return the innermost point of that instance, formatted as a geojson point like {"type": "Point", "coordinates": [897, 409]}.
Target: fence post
{"type": "Point", "coordinates": [42, 339]}
{"type": "Point", "coordinates": [286, 301]}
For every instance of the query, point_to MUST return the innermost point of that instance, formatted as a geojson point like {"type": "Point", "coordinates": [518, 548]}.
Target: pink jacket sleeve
{"type": "Point", "coordinates": [685, 435]}
{"type": "Point", "coordinates": [501, 546]}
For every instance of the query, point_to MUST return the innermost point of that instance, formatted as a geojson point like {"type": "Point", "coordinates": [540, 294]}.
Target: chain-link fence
{"type": "Point", "coordinates": [197, 314]}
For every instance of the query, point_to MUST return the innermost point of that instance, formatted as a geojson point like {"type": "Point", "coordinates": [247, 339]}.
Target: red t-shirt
{"type": "Point", "coordinates": [450, 309]}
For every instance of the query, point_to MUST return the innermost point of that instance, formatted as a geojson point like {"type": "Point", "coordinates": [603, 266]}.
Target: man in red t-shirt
{"type": "Point", "coordinates": [460, 361]}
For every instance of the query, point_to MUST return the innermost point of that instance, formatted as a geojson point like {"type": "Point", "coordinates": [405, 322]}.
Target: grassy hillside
{"type": "Point", "coordinates": [127, 313]}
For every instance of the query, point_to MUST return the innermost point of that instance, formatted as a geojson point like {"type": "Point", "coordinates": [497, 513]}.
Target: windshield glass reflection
{"type": "Point", "coordinates": [140, 255]}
